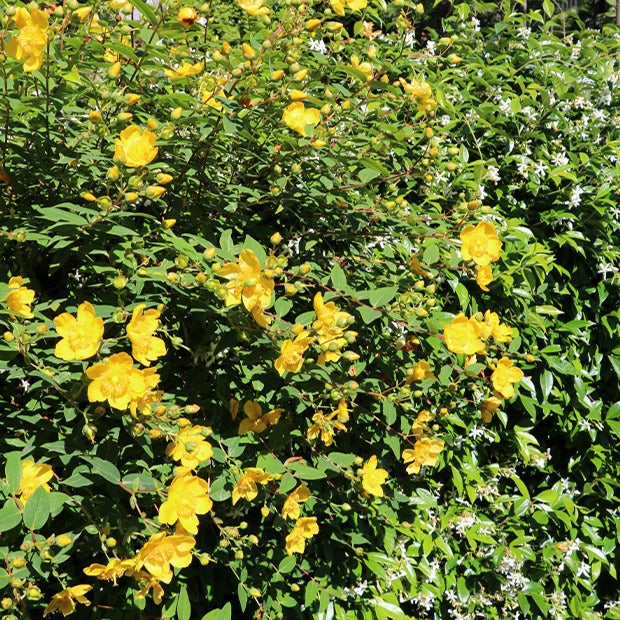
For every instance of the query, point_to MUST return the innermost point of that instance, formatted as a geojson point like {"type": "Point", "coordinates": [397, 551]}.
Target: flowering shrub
{"type": "Point", "coordinates": [309, 309]}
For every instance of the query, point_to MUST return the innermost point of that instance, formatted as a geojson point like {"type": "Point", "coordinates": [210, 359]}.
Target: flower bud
{"type": "Point", "coordinates": [114, 70]}
{"type": "Point", "coordinates": [187, 16]}
{"type": "Point", "coordinates": [176, 113]}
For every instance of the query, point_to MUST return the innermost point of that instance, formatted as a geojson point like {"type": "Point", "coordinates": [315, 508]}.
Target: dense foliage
{"type": "Point", "coordinates": [310, 309]}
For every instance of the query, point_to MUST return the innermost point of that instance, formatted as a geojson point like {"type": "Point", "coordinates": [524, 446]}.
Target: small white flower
{"type": "Point", "coordinates": [317, 45]}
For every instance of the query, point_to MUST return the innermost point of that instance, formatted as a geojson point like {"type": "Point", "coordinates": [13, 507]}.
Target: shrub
{"type": "Point", "coordinates": [310, 309]}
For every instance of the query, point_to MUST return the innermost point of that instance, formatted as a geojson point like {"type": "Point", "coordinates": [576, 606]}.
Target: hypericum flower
{"type": "Point", "coordinates": [425, 452]}
{"type": "Point", "coordinates": [81, 336]}
{"type": "Point", "coordinates": [117, 381]}
{"type": "Point", "coordinates": [492, 327]}
{"type": "Point", "coordinates": [305, 528]}
{"type": "Point", "coordinates": [188, 496]}
{"type": "Point", "coordinates": [246, 485]}
{"type": "Point", "coordinates": [420, 425]}
{"type": "Point", "coordinates": [144, 346]}
{"type": "Point", "coordinates": [462, 335]}
{"type": "Point", "coordinates": [161, 552]}
{"type": "Point", "coordinates": [421, 371]}
{"type": "Point", "coordinates": [144, 403]}
{"type": "Point", "coordinates": [19, 298]}
{"type": "Point", "coordinates": [111, 571]}
{"type": "Point", "coordinates": [330, 326]}
{"type": "Point", "coordinates": [135, 148]}
{"type": "Point", "coordinates": [257, 421]}
{"type": "Point", "coordinates": [148, 582]}
{"type": "Point", "coordinates": [484, 277]}
{"type": "Point", "coordinates": [65, 600]}
{"type": "Point", "coordinates": [373, 477]}
{"type": "Point", "coordinates": [190, 447]}
{"type": "Point", "coordinates": [292, 352]}
{"type": "Point", "coordinates": [480, 244]}
{"type": "Point", "coordinates": [504, 375]}
{"type": "Point", "coordinates": [187, 16]}
{"type": "Point", "coordinates": [186, 69]}
{"type": "Point", "coordinates": [212, 90]}
{"type": "Point", "coordinates": [33, 477]}
{"type": "Point", "coordinates": [338, 6]}
{"type": "Point", "coordinates": [421, 93]}
{"type": "Point", "coordinates": [488, 407]}
{"type": "Point", "coordinates": [247, 283]}
{"type": "Point", "coordinates": [291, 508]}
{"type": "Point", "coordinates": [298, 117]}
{"type": "Point", "coordinates": [29, 44]}
{"type": "Point", "coordinates": [253, 7]}
{"type": "Point", "coordinates": [326, 425]}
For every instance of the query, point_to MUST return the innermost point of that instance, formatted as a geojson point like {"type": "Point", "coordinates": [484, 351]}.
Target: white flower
{"type": "Point", "coordinates": [524, 32]}
{"type": "Point", "coordinates": [493, 174]}
{"type": "Point", "coordinates": [317, 45]}
{"type": "Point", "coordinates": [410, 39]}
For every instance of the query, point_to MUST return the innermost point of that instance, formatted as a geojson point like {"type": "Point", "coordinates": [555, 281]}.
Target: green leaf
{"type": "Point", "coordinates": [224, 613]}
{"type": "Point", "coordinates": [369, 314]}
{"type": "Point", "coordinates": [312, 589]}
{"type": "Point", "coordinates": [184, 607]}
{"type": "Point", "coordinates": [380, 297]}
{"type": "Point", "coordinates": [108, 471]}
{"type": "Point", "coordinates": [338, 278]}
{"type": "Point", "coordinates": [389, 411]}
{"type": "Point", "coordinates": [13, 471]}
{"type": "Point", "coordinates": [10, 516]}
{"type": "Point", "coordinates": [546, 383]}
{"type": "Point", "coordinates": [548, 7]}
{"type": "Point", "coordinates": [37, 509]}
{"type": "Point", "coordinates": [305, 472]}
{"type": "Point", "coordinates": [287, 564]}
{"type": "Point", "coordinates": [147, 10]}
{"type": "Point", "coordinates": [367, 175]}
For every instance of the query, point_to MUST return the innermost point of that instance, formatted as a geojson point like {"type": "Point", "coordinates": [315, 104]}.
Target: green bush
{"type": "Point", "coordinates": [310, 309]}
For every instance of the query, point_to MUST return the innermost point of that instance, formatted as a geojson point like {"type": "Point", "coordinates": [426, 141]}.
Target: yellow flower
{"type": "Point", "coordinates": [148, 582]}
{"type": "Point", "coordinates": [211, 89]}
{"type": "Point", "coordinates": [325, 425]}
{"type": "Point", "coordinates": [111, 571]}
{"type": "Point", "coordinates": [190, 447]}
{"type": "Point", "coordinates": [184, 70]}
{"type": "Point", "coordinates": [255, 420]}
{"type": "Point", "coordinates": [421, 93]}
{"type": "Point", "coordinates": [292, 353]}
{"type": "Point", "coordinates": [246, 485]}
{"type": "Point", "coordinates": [291, 508]}
{"type": "Point", "coordinates": [420, 425]}
{"type": "Point", "coordinates": [373, 477]}
{"type": "Point", "coordinates": [162, 551]}
{"type": "Point", "coordinates": [504, 375]}
{"type": "Point", "coordinates": [484, 277]}
{"type": "Point", "coordinates": [297, 117]}
{"type": "Point", "coordinates": [143, 402]}
{"type": "Point", "coordinates": [500, 331]}
{"type": "Point", "coordinates": [462, 335]}
{"type": "Point", "coordinates": [425, 452]}
{"type": "Point", "coordinates": [253, 7]}
{"type": "Point", "coordinates": [488, 407]}
{"type": "Point", "coordinates": [480, 244]}
{"type": "Point", "coordinates": [80, 336]}
{"type": "Point", "coordinates": [421, 371]}
{"type": "Point", "coordinates": [305, 528]}
{"type": "Point", "coordinates": [144, 346]}
{"type": "Point", "coordinates": [33, 477]}
{"type": "Point", "coordinates": [338, 6]}
{"type": "Point", "coordinates": [19, 298]}
{"type": "Point", "coordinates": [29, 44]}
{"type": "Point", "coordinates": [83, 12]}
{"type": "Point", "coordinates": [187, 16]}
{"type": "Point", "coordinates": [135, 148]}
{"type": "Point", "coordinates": [247, 283]}
{"type": "Point", "coordinates": [64, 601]}
{"type": "Point", "coordinates": [187, 497]}
{"type": "Point", "coordinates": [330, 325]}
{"type": "Point", "coordinates": [117, 381]}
